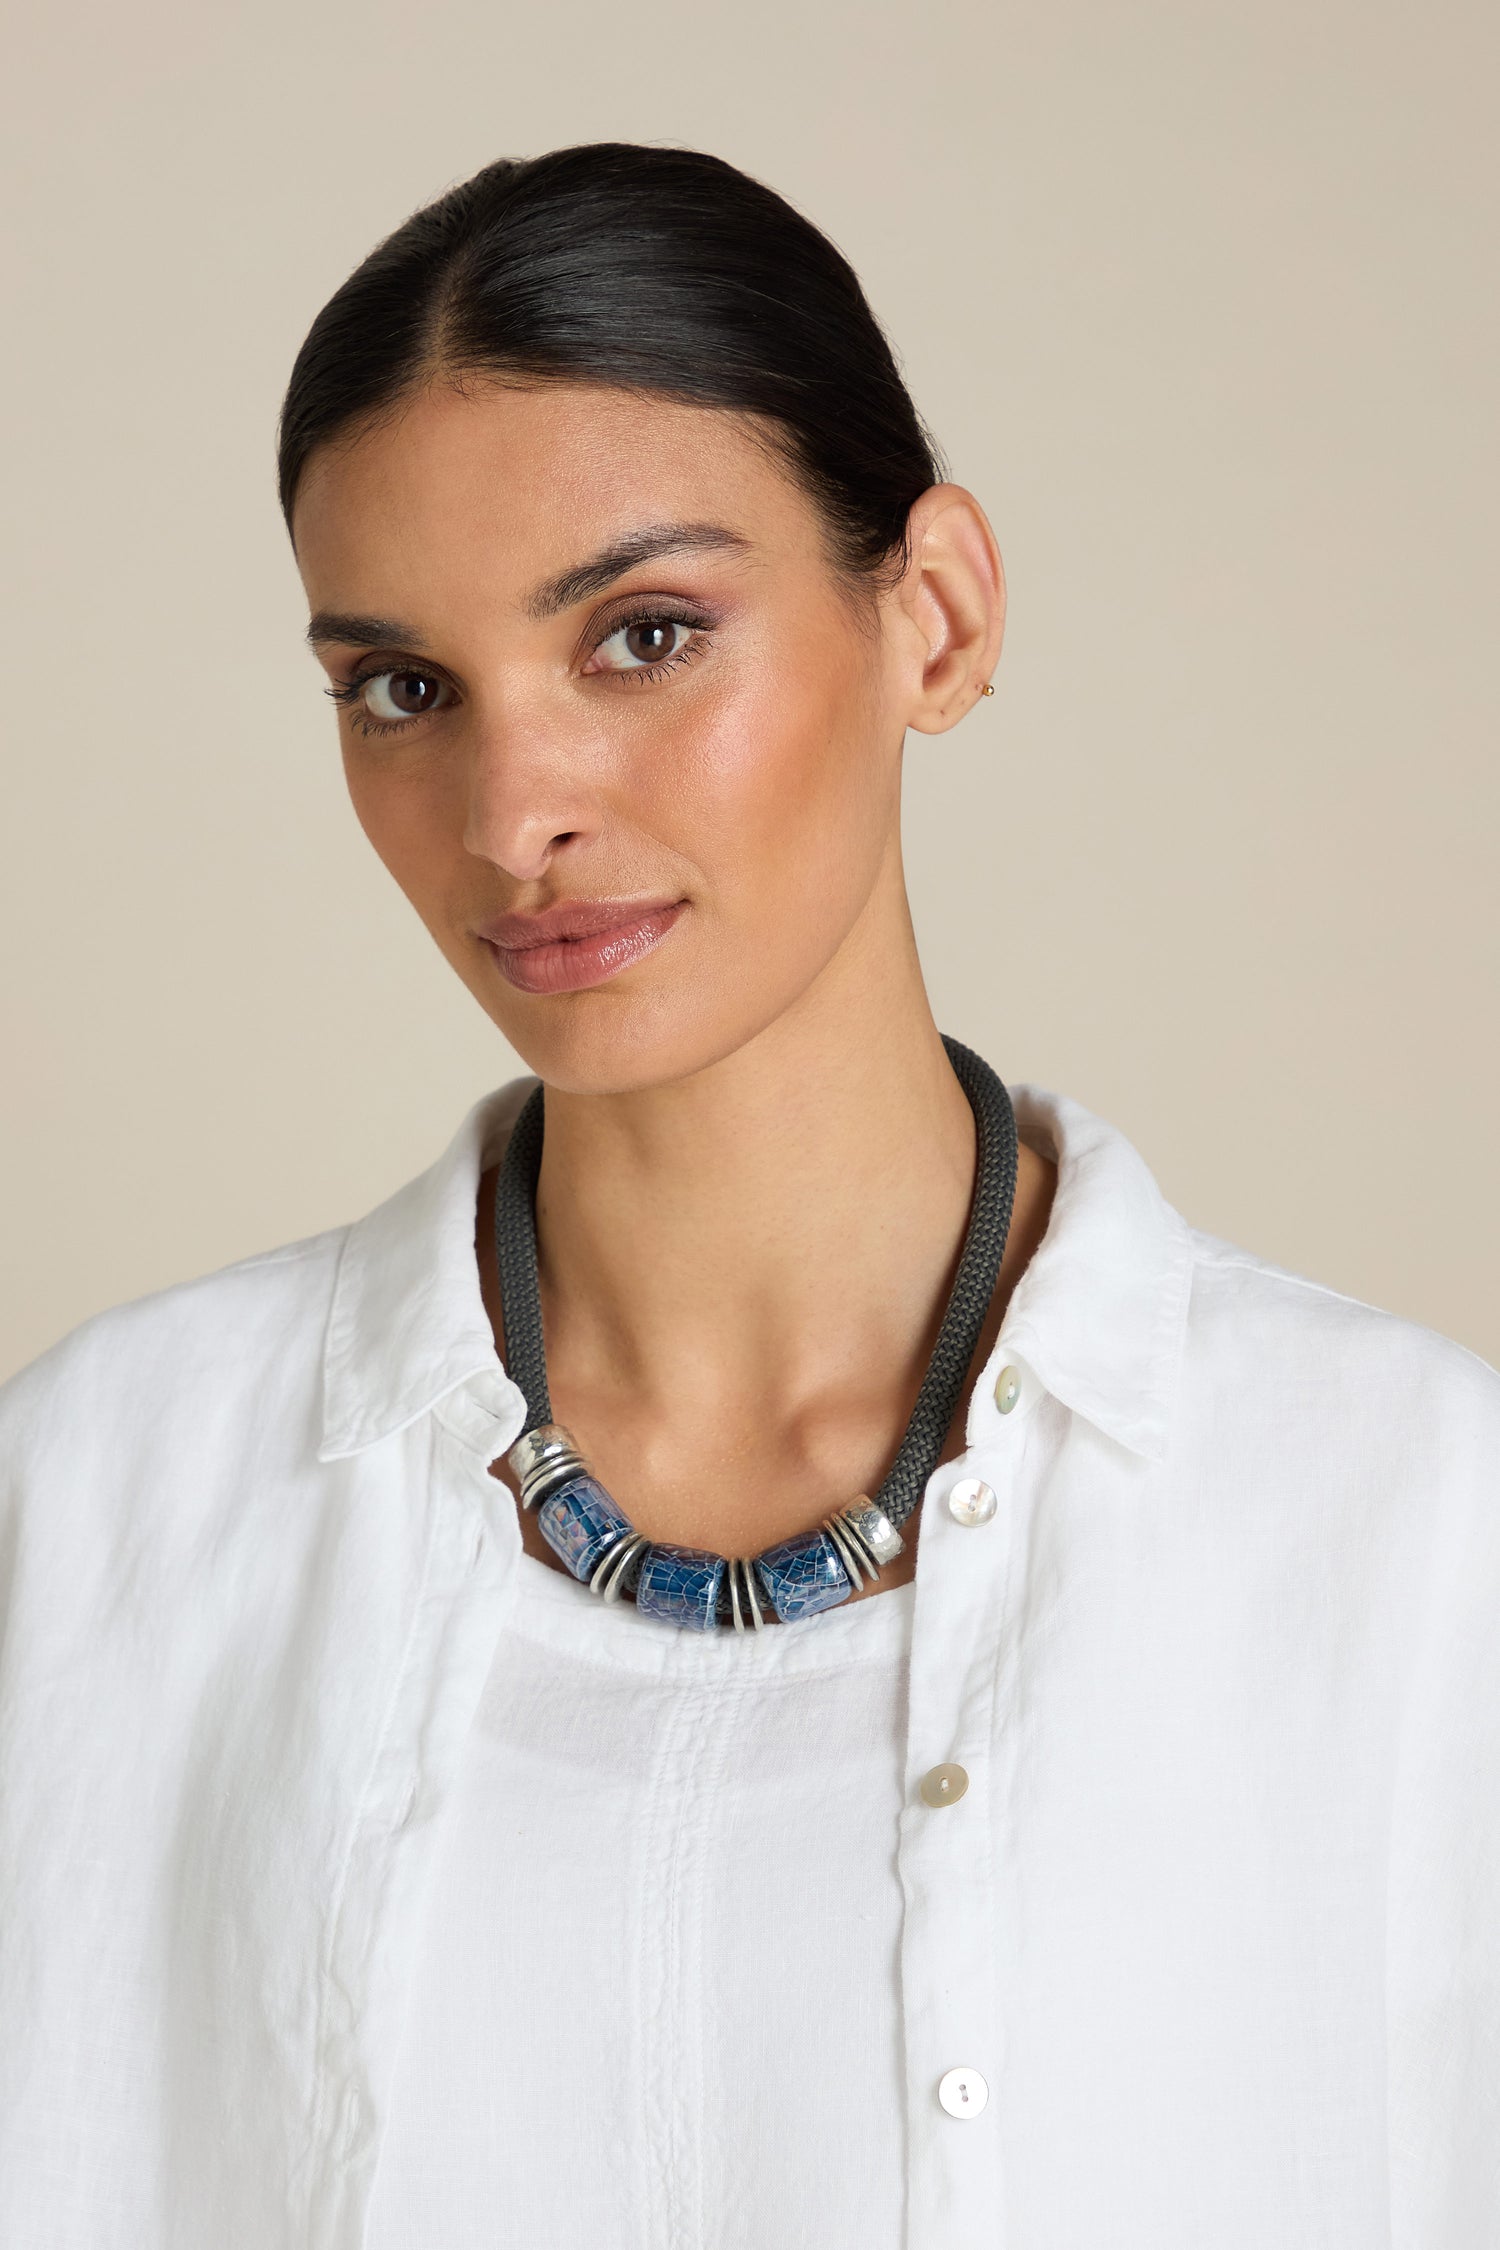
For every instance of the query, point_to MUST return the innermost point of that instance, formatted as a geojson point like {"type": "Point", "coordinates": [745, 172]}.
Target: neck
{"type": "Point", "coordinates": [743, 1240]}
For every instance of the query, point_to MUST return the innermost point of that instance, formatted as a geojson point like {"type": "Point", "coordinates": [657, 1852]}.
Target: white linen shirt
{"type": "Point", "coordinates": [1215, 1926]}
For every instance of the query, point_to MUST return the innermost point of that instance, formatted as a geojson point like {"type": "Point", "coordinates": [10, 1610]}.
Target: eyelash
{"type": "Point", "coordinates": [696, 626]}
{"type": "Point", "coordinates": [348, 692]}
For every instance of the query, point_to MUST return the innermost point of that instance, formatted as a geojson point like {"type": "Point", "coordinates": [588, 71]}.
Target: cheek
{"type": "Point", "coordinates": [783, 790]}
{"type": "Point", "coordinates": [404, 809]}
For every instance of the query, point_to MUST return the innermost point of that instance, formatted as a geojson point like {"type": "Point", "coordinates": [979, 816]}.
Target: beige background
{"type": "Point", "coordinates": [1200, 299]}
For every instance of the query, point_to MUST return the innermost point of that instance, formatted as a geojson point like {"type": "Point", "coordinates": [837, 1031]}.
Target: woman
{"type": "Point", "coordinates": [1069, 1815]}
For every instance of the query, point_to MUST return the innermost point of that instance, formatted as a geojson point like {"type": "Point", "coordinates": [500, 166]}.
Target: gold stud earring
{"type": "Point", "coordinates": [988, 688]}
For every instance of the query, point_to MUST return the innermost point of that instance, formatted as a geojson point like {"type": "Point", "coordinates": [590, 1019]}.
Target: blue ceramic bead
{"type": "Point", "coordinates": [803, 1575]}
{"type": "Point", "coordinates": [581, 1523]}
{"type": "Point", "coordinates": [680, 1586]}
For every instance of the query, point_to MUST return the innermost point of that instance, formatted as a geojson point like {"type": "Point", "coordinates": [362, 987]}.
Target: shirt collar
{"type": "Point", "coordinates": [408, 1323]}
{"type": "Point", "coordinates": [1099, 1316]}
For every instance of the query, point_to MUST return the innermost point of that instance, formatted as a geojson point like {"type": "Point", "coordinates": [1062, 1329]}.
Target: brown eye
{"type": "Point", "coordinates": [650, 640]}
{"type": "Point", "coordinates": [645, 641]}
{"type": "Point", "coordinates": [392, 696]}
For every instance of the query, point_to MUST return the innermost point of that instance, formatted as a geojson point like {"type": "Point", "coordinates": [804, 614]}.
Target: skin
{"type": "Point", "coordinates": [758, 1162]}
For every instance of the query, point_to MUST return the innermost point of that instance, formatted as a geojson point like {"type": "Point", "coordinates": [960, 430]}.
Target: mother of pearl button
{"type": "Point", "coordinates": [944, 1785]}
{"type": "Point", "coordinates": [971, 1501]}
{"type": "Point", "coordinates": [962, 2092]}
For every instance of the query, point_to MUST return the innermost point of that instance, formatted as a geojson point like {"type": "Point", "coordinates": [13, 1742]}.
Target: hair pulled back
{"type": "Point", "coordinates": [649, 269]}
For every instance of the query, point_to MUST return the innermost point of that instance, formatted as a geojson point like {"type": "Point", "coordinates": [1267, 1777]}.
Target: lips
{"type": "Point", "coordinates": [578, 943]}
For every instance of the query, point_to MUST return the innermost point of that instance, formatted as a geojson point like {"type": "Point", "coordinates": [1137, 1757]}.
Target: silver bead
{"type": "Point", "coordinates": [613, 1569]}
{"type": "Point", "coordinates": [873, 1528]}
{"type": "Point", "coordinates": [542, 1458]}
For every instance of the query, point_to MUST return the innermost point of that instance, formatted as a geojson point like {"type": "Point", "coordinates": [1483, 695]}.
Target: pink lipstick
{"type": "Point", "coordinates": [581, 942]}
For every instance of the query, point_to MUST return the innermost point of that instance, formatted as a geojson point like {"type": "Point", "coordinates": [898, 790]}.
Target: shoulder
{"type": "Point", "coordinates": [1317, 1355]}
{"type": "Point", "coordinates": [244, 1361]}
{"type": "Point", "coordinates": [244, 1333]}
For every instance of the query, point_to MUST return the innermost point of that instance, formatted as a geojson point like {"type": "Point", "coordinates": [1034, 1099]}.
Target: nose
{"type": "Point", "coordinates": [527, 796]}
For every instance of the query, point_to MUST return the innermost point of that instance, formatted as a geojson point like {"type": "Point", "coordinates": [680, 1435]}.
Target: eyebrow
{"type": "Point", "coordinates": [591, 577]}
{"type": "Point", "coordinates": [569, 586]}
{"type": "Point", "coordinates": [361, 632]}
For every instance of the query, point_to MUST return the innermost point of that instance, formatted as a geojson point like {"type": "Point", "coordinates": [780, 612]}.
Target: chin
{"type": "Point", "coordinates": [619, 1040]}
{"type": "Point", "coordinates": [612, 1050]}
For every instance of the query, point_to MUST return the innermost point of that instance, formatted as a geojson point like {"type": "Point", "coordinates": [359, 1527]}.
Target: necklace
{"type": "Point", "coordinates": [815, 1570]}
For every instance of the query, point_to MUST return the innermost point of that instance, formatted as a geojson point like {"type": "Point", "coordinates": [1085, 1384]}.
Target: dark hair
{"type": "Point", "coordinates": [647, 268]}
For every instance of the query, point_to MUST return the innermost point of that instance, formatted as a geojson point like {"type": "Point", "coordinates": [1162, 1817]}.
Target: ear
{"type": "Point", "coordinates": [952, 596]}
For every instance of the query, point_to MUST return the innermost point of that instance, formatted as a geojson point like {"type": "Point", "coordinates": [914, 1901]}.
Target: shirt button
{"type": "Point", "coordinates": [971, 1502]}
{"type": "Point", "coordinates": [944, 1785]}
{"type": "Point", "coordinates": [962, 2092]}
{"type": "Point", "coordinates": [1007, 1388]}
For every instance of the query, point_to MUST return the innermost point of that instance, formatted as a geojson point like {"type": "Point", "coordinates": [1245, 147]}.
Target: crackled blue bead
{"type": "Point", "coordinates": [680, 1586]}
{"type": "Point", "coordinates": [581, 1523]}
{"type": "Point", "coordinates": [803, 1575]}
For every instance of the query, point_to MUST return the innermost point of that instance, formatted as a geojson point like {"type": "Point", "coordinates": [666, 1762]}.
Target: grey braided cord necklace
{"type": "Point", "coordinates": [688, 1586]}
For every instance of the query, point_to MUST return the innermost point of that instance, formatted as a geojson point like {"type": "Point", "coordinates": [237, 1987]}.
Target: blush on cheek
{"type": "Point", "coordinates": [792, 745]}
{"type": "Point", "coordinates": [787, 807]}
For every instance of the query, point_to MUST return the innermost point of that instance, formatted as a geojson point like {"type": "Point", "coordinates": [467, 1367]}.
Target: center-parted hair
{"type": "Point", "coordinates": [650, 269]}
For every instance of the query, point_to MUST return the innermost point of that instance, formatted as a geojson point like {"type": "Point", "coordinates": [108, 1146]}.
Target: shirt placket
{"type": "Point", "coordinates": [449, 1648]}
{"type": "Point", "coordinates": [951, 1834]}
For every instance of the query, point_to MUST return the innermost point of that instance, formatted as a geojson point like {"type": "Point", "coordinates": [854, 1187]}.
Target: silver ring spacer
{"type": "Point", "coordinates": [746, 1613]}
{"type": "Point", "coordinates": [613, 1567]}
{"type": "Point", "coordinates": [850, 1552]}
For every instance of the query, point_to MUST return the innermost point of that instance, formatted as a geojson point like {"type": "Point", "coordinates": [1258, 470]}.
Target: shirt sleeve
{"type": "Point", "coordinates": [1443, 1954]}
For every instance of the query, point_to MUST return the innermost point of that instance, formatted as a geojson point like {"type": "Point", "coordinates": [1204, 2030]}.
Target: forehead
{"type": "Point", "coordinates": [507, 484]}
